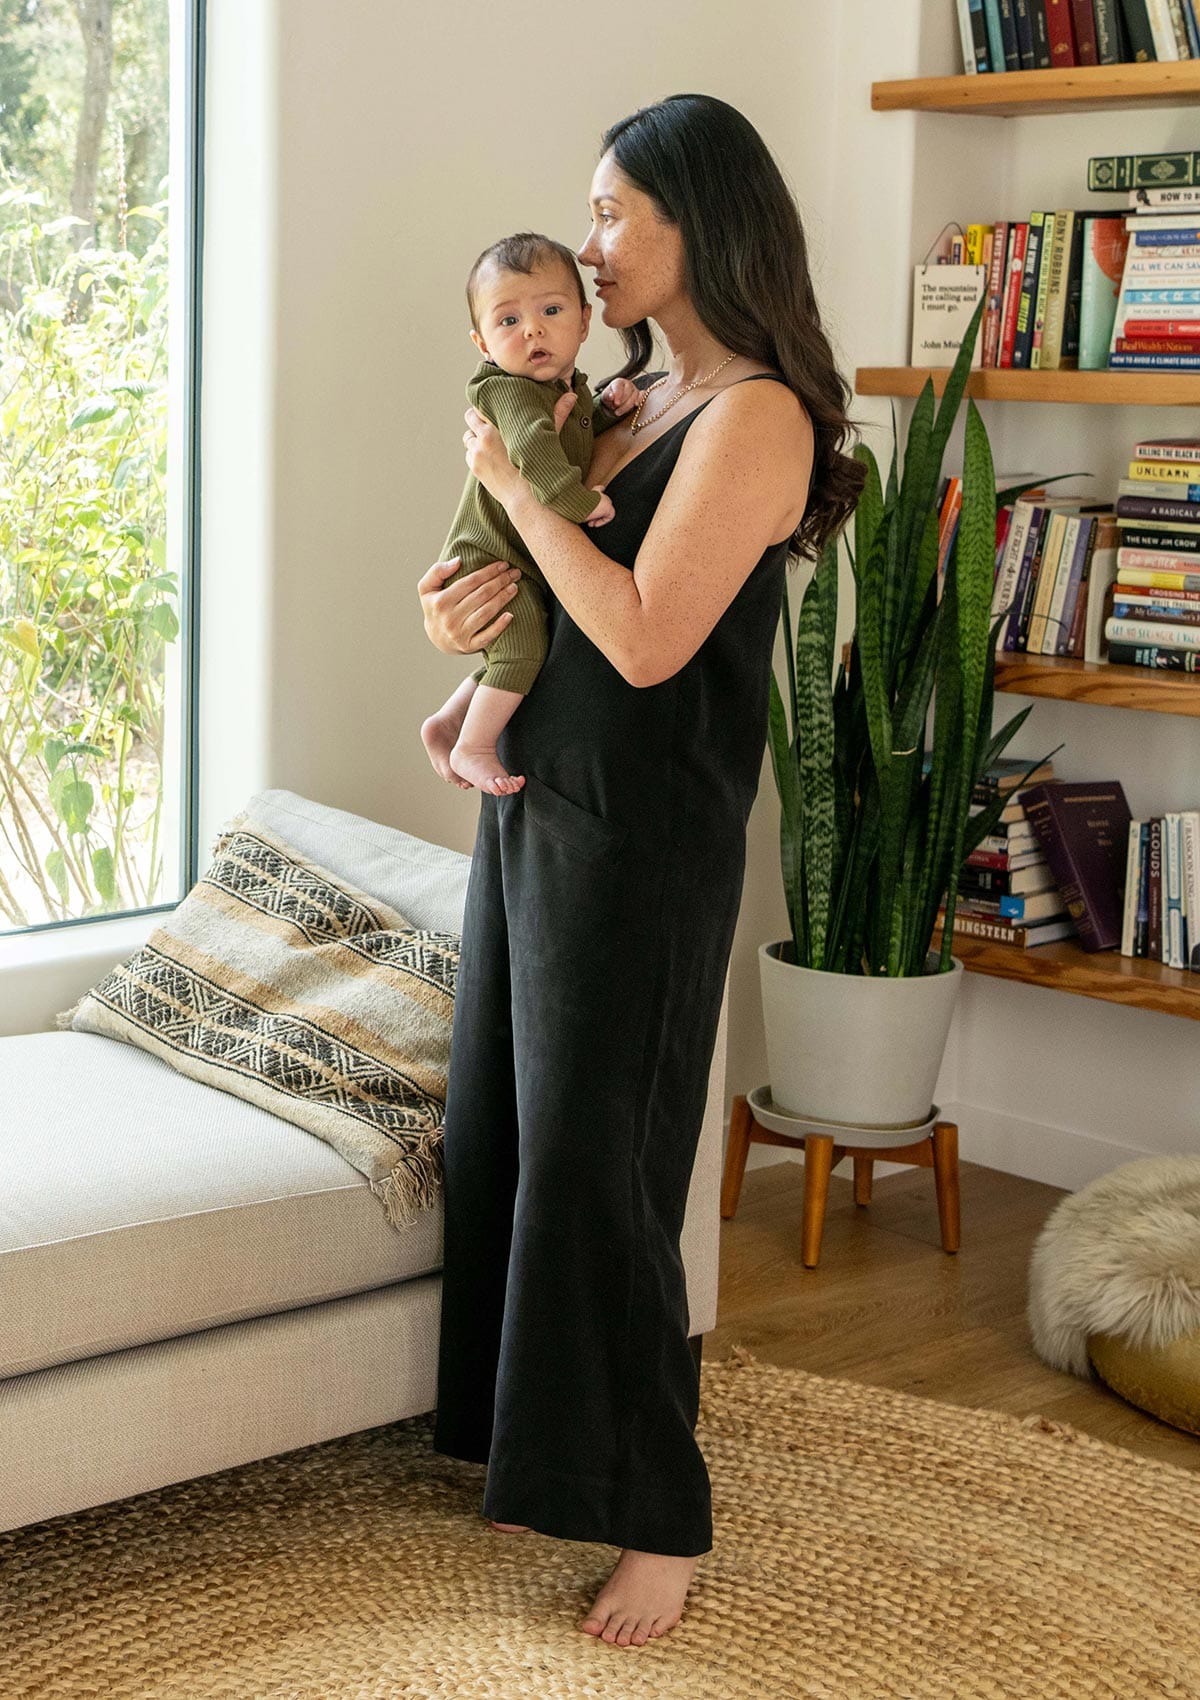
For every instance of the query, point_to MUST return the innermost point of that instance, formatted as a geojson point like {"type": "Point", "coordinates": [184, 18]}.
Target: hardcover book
{"type": "Point", "coordinates": [1084, 830]}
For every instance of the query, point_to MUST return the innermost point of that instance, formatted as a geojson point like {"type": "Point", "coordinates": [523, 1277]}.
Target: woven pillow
{"type": "Point", "coordinates": [283, 984]}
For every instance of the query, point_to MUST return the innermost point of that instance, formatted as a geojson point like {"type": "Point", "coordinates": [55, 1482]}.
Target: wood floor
{"type": "Point", "coordinates": [888, 1307]}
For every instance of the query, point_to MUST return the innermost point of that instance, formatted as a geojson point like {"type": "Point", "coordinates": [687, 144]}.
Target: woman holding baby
{"type": "Point", "coordinates": [605, 884]}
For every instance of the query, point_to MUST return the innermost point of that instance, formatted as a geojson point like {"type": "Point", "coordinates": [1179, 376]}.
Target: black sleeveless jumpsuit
{"type": "Point", "coordinates": [599, 920]}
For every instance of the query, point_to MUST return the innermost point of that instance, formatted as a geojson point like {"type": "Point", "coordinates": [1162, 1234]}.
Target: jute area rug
{"type": "Point", "coordinates": [868, 1545]}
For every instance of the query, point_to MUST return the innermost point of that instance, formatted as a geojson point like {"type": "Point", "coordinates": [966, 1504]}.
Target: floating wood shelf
{"type": "Point", "coordinates": [1013, 94]}
{"type": "Point", "coordinates": [1156, 690]}
{"type": "Point", "coordinates": [1004, 383]}
{"type": "Point", "coordinates": [1066, 967]}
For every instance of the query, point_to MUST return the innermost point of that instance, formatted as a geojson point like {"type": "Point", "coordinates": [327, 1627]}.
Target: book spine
{"type": "Point", "coordinates": [1056, 545]}
{"type": "Point", "coordinates": [1154, 655]}
{"type": "Point", "coordinates": [1159, 577]}
{"type": "Point", "coordinates": [1156, 344]}
{"type": "Point", "coordinates": [1069, 354]}
{"type": "Point", "coordinates": [1054, 309]}
{"type": "Point", "coordinates": [1136, 17]}
{"type": "Point", "coordinates": [1129, 907]}
{"type": "Point", "coordinates": [1041, 35]}
{"type": "Point", "coordinates": [1151, 631]}
{"type": "Point", "coordinates": [1012, 293]}
{"type": "Point", "coordinates": [1105, 244]}
{"type": "Point", "coordinates": [1024, 21]}
{"type": "Point", "coordinates": [966, 36]}
{"type": "Point", "coordinates": [1050, 235]}
{"type": "Point", "coordinates": [1059, 35]}
{"type": "Point", "coordinates": [1027, 298]}
{"type": "Point", "coordinates": [1154, 362]}
{"type": "Point", "coordinates": [995, 288]}
{"type": "Point", "coordinates": [991, 12]}
{"type": "Point", "coordinates": [1154, 894]}
{"type": "Point", "coordinates": [1170, 539]}
{"type": "Point", "coordinates": [1041, 811]}
{"type": "Point", "coordinates": [1180, 471]}
{"type": "Point", "coordinates": [1157, 507]}
{"type": "Point", "coordinates": [1173, 871]}
{"type": "Point", "coordinates": [1015, 589]}
{"type": "Point", "coordinates": [1083, 21]}
{"type": "Point", "coordinates": [1158, 448]}
{"type": "Point", "coordinates": [1141, 925]}
{"type": "Point", "coordinates": [1144, 170]}
{"type": "Point", "coordinates": [1157, 614]}
{"type": "Point", "coordinates": [1191, 882]}
{"type": "Point", "coordinates": [1008, 32]}
{"type": "Point", "coordinates": [1005, 932]}
{"type": "Point", "coordinates": [1010, 562]}
{"type": "Point", "coordinates": [1029, 600]}
{"type": "Point", "coordinates": [1108, 33]}
{"type": "Point", "coordinates": [1073, 642]}
{"type": "Point", "coordinates": [1161, 28]}
{"type": "Point", "coordinates": [1066, 593]}
{"type": "Point", "coordinates": [979, 41]}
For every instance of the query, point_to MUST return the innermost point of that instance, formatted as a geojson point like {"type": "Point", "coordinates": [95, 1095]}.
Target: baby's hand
{"type": "Point", "coordinates": [603, 511]}
{"type": "Point", "coordinates": [621, 395]}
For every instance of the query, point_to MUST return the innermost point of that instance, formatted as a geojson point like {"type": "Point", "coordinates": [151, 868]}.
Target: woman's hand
{"type": "Point", "coordinates": [488, 459]}
{"type": "Point", "coordinates": [464, 617]}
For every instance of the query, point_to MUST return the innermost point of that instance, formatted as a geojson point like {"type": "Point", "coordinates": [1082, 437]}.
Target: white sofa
{"type": "Point", "coordinates": [188, 1282]}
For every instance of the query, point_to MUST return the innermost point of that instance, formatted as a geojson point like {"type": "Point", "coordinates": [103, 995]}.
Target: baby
{"type": "Point", "coordinates": [529, 316]}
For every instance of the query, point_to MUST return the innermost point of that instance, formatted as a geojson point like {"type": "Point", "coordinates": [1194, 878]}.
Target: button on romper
{"type": "Point", "coordinates": [599, 919]}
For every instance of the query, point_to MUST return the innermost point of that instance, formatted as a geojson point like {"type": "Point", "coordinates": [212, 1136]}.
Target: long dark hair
{"type": "Point", "coordinates": [746, 269]}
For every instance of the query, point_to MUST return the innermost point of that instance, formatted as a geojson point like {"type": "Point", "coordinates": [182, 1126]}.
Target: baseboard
{"type": "Point", "coordinates": [1056, 1156]}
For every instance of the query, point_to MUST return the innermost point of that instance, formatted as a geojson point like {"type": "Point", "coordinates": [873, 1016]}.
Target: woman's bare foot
{"type": "Point", "coordinates": [439, 734]}
{"type": "Point", "coordinates": [510, 1528]}
{"type": "Point", "coordinates": [643, 1597]}
{"type": "Point", "coordinates": [480, 764]}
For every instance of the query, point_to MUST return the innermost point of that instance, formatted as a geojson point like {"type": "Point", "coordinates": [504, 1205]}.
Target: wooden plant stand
{"type": "Point", "coordinates": [937, 1150]}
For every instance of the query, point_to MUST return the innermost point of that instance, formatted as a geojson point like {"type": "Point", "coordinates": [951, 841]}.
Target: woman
{"type": "Point", "coordinates": [603, 894]}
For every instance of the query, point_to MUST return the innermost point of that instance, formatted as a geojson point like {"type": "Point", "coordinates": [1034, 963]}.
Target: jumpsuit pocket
{"type": "Point", "coordinates": [590, 835]}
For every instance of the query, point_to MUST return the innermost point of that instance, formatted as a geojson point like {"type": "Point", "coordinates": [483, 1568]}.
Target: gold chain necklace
{"type": "Point", "coordinates": [637, 423]}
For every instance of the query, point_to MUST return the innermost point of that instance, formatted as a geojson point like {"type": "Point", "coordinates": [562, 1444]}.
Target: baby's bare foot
{"type": "Point", "coordinates": [643, 1597]}
{"type": "Point", "coordinates": [510, 1528]}
{"type": "Point", "coordinates": [480, 764]}
{"type": "Point", "coordinates": [439, 734]}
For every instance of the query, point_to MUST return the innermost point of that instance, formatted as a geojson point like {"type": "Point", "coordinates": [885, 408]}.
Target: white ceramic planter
{"type": "Point", "coordinates": [855, 1048]}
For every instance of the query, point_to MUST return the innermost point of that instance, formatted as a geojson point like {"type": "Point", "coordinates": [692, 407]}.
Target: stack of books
{"type": "Point", "coordinates": [1161, 915]}
{"type": "Point", "coordinates": [1117, 287]}
{"type": "Point", "coordinates": [1030, 35]}
{"type": "Point", "coordinates": [1155, 615]}
{"type": "Point", "coordinates": [1006, 890]}
{"type": "Point", "coordinates": [1056, 560]}
{"type": "Point", "coordinates": [1157, 322]}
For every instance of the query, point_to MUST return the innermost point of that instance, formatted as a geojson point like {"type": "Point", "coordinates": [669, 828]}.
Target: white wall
{"type": "Point", "coordinates": [356, 163]}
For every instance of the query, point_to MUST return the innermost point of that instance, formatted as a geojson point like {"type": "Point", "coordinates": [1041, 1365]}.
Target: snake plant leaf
{"type": "Point", "coordinates": [976, 550]}
{"type": "Point", "coordinates": [869, 510]}
{"type": "Point", "coordinates": [786, 620]}
{"type": "Point", "coordinates": [1014, 492]}
{"type": "Point", "coordinates": [787, 783]}
{"type": "Point", "coordinates": [869, 639]}
{"type": "Point", "coordinates": [815, 746]}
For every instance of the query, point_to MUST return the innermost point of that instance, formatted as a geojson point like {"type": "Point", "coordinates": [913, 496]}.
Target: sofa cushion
{"type": "Point", "coordinates": [136, 1205]}
{"type": "Point", "coordinates": [426, 882]}
{"type": "Point", "coordinates": [280, 982]}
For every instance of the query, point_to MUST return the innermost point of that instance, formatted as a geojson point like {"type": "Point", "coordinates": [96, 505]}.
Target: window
{"type": "Point", "coordinates": [100, 107]}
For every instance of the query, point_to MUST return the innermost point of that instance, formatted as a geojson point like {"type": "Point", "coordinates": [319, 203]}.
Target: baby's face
{"type": "Point", "coordinates": [531, 325]}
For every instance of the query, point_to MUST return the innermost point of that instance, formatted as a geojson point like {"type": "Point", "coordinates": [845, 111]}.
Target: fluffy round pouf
{"type": "Point", "coordinates": [1114, 1286]}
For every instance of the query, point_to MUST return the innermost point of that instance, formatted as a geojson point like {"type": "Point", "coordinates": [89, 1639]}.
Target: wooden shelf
{"type": "Point", "coordinates": [1156, 690]}
{"type": "Point", "coordinates": [1012, 94]}
{"type": "Point", "coordinates": [1004, 383]}
{"type": "Point", "coordinates": [1067, 967]}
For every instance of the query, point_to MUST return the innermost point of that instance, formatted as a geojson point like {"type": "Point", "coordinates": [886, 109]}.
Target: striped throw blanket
{"type": "Point", "coordinates": [279, 982]}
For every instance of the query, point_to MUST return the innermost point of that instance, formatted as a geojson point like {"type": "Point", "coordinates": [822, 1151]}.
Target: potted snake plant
{"type": "Point", "coordinates": [857, 1004]}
